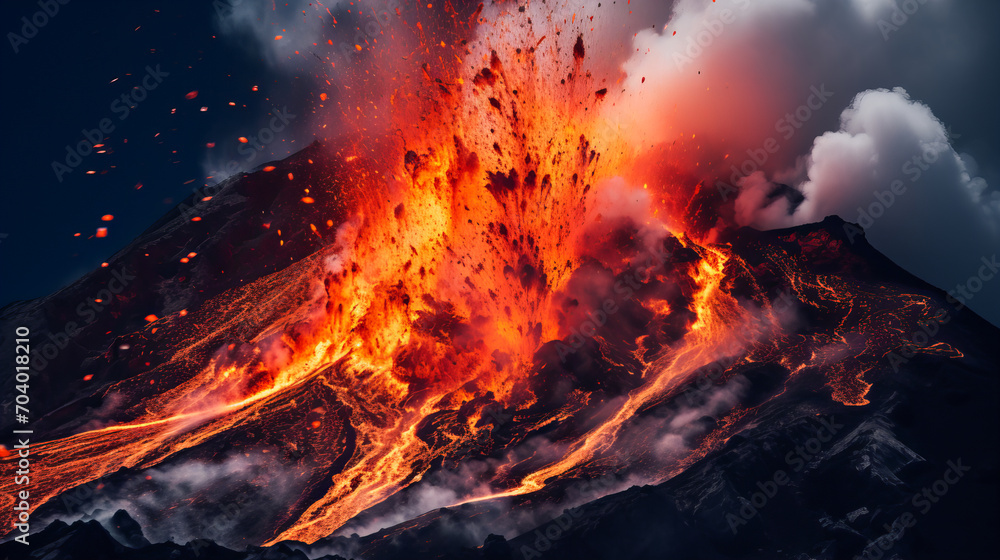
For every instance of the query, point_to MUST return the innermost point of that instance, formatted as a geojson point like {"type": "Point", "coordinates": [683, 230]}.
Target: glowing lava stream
{"type": "Point", "coordinates": [707, 341]}
{"type": "Point", "coordinates": [218, 409]}
{"type": "Point", "coordinates": [462, 234]}
{"type": "Point", "coordinates": [384, 468]}
{"type": "Point", "coordinates": [148, 443]}
{"type": "Point", "coordinates": [369, 482]}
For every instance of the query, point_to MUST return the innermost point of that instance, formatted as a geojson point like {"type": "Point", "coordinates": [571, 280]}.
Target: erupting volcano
{"type": "Point", "coordinates": [483, 306]}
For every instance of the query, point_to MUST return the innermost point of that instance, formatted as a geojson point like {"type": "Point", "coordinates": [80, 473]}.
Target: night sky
{"type": "Point", "coordinates": [69, 76]}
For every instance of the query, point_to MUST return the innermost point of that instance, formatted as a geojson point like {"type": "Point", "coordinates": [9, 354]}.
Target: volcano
{"type": "Point", "coordinates": [780, 394]}
{"type": "Point", "coordinates": [482, 323]}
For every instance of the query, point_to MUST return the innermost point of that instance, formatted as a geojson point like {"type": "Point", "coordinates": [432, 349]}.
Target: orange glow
{"type": "Point", "coordinates": [456, 262]}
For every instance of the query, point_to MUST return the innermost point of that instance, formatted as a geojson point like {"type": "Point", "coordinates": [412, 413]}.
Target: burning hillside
{"type": "Point", "coordinates": [481, 296]}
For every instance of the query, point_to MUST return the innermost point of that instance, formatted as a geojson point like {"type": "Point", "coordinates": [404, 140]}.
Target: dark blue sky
{"type": "Point", "coordinates": [72, 72]}
{"type": "Point", "coordinates": [63, 80]}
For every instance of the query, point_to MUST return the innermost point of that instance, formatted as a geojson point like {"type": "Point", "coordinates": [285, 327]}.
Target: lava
{"type": "Point", "coordinates": [501, 200]}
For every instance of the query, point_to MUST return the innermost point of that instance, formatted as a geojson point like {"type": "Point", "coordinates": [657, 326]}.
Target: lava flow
{"type": "Point", "coordinates": [503, 274]}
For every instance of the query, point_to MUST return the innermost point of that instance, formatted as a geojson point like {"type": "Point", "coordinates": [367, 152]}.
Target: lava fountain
{"type": "Point", "coordinates": [500, 231]}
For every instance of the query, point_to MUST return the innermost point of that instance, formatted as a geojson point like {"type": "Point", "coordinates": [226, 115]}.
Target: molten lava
{"type": "Point", "coordinates": [506, 270]}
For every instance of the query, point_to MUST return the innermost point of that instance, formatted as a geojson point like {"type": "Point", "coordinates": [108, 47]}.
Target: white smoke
{"type": "Point", "coordinates": [281, 35]}
{"type": "Point", "coordinates": [754, 89]}
{"type": "Point", "coordinates": [212, 494]}
{"type": "Point", "coordinates": [884, 137]}
{"type": "Point", "coordinates": [892, 169]}
{"type": "Point", "coordinates": [676, 433]}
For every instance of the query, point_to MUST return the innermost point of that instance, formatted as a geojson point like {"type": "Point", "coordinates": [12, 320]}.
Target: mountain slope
{"type": "Point", "coordinates": [807, 450]}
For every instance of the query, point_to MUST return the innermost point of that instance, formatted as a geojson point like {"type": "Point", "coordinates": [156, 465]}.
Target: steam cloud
{"type": "Point", "coordinates": [730, 78]}
{"type": "Point", "coordinates": [214, 491]}
{"type": "Point", "coordinates": [892, 169]}
{"type": "Point", "coordinates": [739, 82]}
{"type": "Point", "coordinates": [736, 81]}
